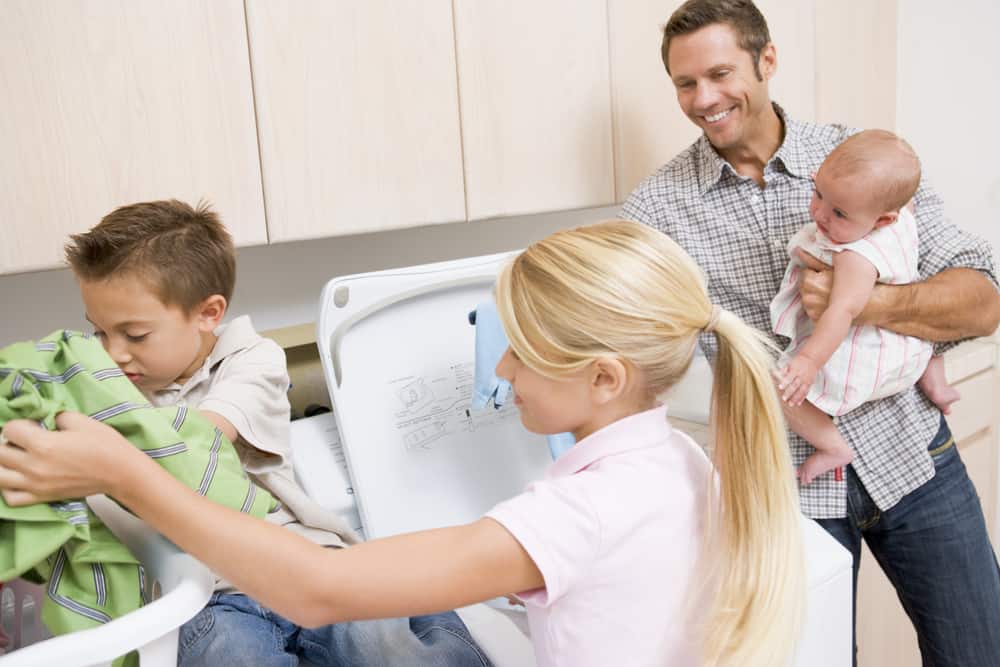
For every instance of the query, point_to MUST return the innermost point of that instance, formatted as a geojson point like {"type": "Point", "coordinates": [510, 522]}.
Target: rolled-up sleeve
{"type": "Point", "coordinates": [943, 245]}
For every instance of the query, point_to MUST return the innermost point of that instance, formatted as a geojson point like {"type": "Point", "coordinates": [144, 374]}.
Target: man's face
{"type": "Point", "coordinates": [717, 86]}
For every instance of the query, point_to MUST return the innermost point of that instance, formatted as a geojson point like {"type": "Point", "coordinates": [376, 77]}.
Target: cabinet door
{"type": "Point", "coordinates": [536, 105]}
{"type": "Point", "coordinates": [111, 102]}
{"type": "Point", "coordinates": [649, 128]}
{"type": "Point", "coordinates": [357, 109]}
{"type": "Point", "coordinates": [856, 62]}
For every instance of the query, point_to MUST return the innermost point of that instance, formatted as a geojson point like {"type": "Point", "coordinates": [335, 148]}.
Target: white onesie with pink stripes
{"type": "Point", "coordinates": [870, 362]}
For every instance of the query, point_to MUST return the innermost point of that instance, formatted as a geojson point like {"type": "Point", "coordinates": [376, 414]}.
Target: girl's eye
{"type": "Point", "coordinates": [839, 214]}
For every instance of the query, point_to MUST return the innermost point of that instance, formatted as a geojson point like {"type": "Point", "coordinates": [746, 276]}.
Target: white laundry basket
{"type": "Point", "coordinates": [179, 587]}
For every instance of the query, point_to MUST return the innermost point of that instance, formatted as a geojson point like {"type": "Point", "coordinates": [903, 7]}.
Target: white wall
{"type": "Point", "coordinates": [279, 285]}
{"type": "Point", "coordinates": [947, 99]}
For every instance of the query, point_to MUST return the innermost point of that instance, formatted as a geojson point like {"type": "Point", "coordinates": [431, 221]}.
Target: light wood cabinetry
{"type": "Point", "coordinates": [885, 634]}
{"type": "Point", "coordinates": [856, 56]}
{"type": "Point", "coordinates": [117, 101]}
{"type": "Point", "coordinates": [536, 105]}
{"type": "Point", "coordinates": [357, 110]}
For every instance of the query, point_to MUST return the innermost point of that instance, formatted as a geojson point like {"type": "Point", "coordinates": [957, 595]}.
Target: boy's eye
{"type": "Point", "coordinates": [136, 339]}
{"type": "Point", "coordinates": [98, 333]}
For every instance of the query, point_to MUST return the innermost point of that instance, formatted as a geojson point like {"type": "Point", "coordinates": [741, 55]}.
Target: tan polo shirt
{"type": "Point", "coordinates": [245, 379]}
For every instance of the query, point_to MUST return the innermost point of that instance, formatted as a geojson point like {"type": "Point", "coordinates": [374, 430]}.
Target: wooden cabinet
{"type": "Point", "coordinates": [885, 634]}
{"type": "Point", "coordinates": [111, 102]}
{"type": "Point", "coordinates": [536, 105]}
{"type": "Point", "coordinates": [357, 110]}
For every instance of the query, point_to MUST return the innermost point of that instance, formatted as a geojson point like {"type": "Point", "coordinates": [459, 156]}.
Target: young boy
{"type": "Point", "coordinates": [861, 226]}
{"type": "Point", "coordinates": [156, 279]}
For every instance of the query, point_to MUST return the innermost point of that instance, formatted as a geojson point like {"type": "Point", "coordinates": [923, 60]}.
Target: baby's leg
{"type": "Point", "coordinates": [832, 451]}
{"type": "Point", "coordinates": [936, 387]}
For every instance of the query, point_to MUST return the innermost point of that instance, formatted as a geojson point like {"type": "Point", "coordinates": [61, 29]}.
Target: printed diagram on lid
{"type": "Point", "coordinates": [430, 408]}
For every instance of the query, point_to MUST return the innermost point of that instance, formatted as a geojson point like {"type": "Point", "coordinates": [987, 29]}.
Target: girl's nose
{"type": "Point", "coordinates": [505, 366]}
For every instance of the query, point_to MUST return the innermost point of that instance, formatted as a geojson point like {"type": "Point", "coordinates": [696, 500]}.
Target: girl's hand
{"type": "Point", "coordinates": [79, 459]}
{"type": "Point", "coordinates": [796, 379]}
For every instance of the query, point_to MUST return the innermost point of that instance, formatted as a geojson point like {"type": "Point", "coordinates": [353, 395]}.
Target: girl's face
{"type": "Point", "coordinates": [549, 406]}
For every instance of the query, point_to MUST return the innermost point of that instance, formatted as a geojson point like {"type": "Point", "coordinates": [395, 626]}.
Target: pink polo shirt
{"type": "Point", "coordinates": [614, 529]}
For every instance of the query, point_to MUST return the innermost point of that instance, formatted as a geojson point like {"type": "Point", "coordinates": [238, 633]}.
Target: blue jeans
{"type": "Point", "coordinates": [234, 630]}
{"type": "Point", "coordinates": [934, 548]}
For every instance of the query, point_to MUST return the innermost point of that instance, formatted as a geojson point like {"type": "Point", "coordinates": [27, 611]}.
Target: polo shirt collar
{"type": "Point", "coordinates": [790, 154]}
{"type": "Point", "coordinates": [639, 431]}
{"type": "Point", "coordinates": [230, 338]}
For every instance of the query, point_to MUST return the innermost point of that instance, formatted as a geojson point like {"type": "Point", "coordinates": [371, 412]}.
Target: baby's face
{"type": "Point", "coordinates": [841, 208]}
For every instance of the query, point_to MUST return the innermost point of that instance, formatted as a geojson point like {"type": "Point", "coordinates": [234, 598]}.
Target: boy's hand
{"type": "Point", "coordinates": [796, 379]}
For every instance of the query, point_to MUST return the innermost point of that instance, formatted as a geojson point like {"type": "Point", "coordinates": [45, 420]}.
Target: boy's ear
{"type": "Point", "coordinates": [608, 379]}
{"type": "Point", "coordinates": [210, 312]}
{"type": "Point", "coordinates": [886, 219]}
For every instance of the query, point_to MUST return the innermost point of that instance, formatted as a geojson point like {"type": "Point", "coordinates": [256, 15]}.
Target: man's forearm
{"type": "Point", "coordinates": [952, 305]}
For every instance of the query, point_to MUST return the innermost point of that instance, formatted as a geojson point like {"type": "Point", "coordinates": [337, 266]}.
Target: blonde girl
{"type": "Point", "coordinates": [633, 550]}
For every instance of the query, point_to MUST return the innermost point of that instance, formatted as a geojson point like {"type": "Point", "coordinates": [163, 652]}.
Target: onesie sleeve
{"type": "Point", "coordinates": [555, 522]}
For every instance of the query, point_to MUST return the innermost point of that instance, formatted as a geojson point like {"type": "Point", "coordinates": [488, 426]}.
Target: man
{"type": "Point", "coordinates": [733, 200]}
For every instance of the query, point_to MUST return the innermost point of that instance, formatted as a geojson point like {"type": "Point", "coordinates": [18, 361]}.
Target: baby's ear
{"type": "Point", "coordinates": [886, 219]}
{"type": "Point", "coordinates": [210, 312]}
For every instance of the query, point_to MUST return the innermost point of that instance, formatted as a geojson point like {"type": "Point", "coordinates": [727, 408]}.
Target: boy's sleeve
{"type": "Point", "coordinates": [250, 390]}
{"type": "Point", "coordinates": [943, 245]}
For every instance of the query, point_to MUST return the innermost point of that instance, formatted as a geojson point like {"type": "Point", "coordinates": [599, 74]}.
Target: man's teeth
{"type": "Point", "coordinates": [718, 116]}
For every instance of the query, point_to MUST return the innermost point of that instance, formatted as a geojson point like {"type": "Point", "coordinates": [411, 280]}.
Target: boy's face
{"type": "Point", "coordinates": [841, 209]}
{"type": "Point", "coordinates": [154, 344]}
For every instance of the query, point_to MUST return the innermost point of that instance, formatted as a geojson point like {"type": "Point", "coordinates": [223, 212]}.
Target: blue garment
{"type": "Point", "coordinates": [234, 630]}
{"type": "Point", "coordinates": [491, 343]}
{"type": "Point", "coordinates": [934, 548]}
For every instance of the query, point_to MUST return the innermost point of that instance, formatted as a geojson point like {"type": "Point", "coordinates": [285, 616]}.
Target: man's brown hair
{"type": "Point", "coordinates": [742, 16]}
{"type": "Point", "coordinates": [183, 254]}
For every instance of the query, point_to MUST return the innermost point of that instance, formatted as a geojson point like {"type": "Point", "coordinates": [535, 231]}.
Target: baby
{"type": "Point", "coordinates": [864, 230]}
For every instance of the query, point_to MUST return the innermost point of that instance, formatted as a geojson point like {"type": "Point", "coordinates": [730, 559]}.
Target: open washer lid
{"type": "Point", "coordinates": [398, 353]}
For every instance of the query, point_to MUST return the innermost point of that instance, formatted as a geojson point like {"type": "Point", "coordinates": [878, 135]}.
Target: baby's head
{"type": "Point", "coordinates": [156, 279]}
{"type": "Point", "coordinates": [862, 184]}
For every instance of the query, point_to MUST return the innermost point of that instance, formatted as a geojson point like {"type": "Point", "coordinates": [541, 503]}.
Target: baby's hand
{"type": "Point", "coordinates": [796, 379]}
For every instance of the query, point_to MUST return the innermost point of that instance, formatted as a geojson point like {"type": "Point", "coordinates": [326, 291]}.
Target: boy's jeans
{"type": "Point", "coordinates": [934, 548]}
{"type": "Point", "coordinates": [234, 630]}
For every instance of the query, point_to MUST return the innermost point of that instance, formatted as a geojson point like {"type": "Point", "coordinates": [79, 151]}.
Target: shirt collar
{"type": "Point", "coordinates": [790, 155]}
{"type": "Point", "coordinates": [638, 431]}
{"type": "Point", "coordinates": [230, 338]}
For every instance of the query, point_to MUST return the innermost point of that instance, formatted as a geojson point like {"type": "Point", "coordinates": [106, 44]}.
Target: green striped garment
{"type": "Point", "coordinates": [91, 577]}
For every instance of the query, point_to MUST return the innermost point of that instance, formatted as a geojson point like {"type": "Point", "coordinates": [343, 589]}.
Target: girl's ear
{"type": "Point", "coordinates": [608, 380]}
{"type": "Point", "coordinates": [210, 312]}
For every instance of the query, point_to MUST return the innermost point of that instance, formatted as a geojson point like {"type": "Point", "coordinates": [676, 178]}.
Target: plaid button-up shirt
{"type": "Point", "coordinates": [738, 233]}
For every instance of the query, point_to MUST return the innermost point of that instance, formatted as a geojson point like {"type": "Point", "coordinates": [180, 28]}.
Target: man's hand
{"type": "Point", "coordinates": [795, 379]}
{"type": "Point", "coordinates": [815, 285]}
{"type": "Point", "coordinates": [37, 465]}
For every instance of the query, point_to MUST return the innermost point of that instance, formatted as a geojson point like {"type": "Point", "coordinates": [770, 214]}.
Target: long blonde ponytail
{"type": "Point", "coordinates": [761, 596]}
{"type": "Point", "coordinates": [622, 288]}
